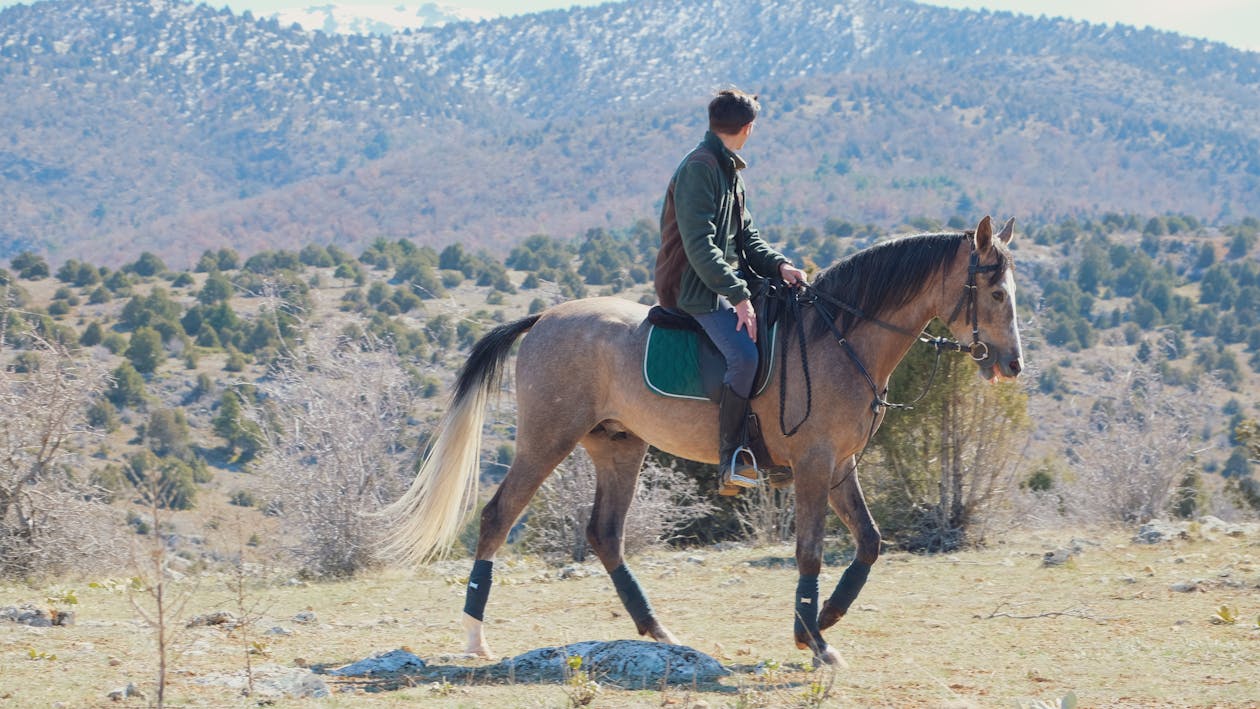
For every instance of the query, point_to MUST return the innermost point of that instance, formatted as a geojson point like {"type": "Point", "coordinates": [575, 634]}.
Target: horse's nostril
{"type": "Point", "coordinates": [1015, 366]}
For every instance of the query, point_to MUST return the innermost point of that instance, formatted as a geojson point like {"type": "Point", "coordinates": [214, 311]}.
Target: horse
{"type": "Point", "coordinates": [579, 382]}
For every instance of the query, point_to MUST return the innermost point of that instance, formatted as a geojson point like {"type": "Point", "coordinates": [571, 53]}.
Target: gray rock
{"type": "Point", "coordinates": [1184, 587]}
{"type": "Point", "coordinates": [1157, 531]}
{"type": "Point", "coordinates": [273, 681]}
{"type": "Point", "coordinates": [224, 618]}
{"type": "Point", "coordinates": [35, 617]}
{"type": "Point", "coordinates": [575, 571]}
{"type": "Point", "coordinates": [626, 663]}
{"type": "Point", "coordinates": [305, 617]}
{"type": "Point", "coordinates": [125, 692]}
{"type": "Point", "coordinates": [381, 664]}
{"type": "Point", "coordinates": [1057, 557]}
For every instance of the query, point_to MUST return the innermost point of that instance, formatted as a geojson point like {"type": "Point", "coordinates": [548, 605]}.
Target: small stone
{"type": "Point", "coordinates": [305, 617]}
{"type": "Point", "coordinates": [215, 618]}
{"type": "Point", "coordinates": [1184, 587]}
{"type": "Point", "coordinates": [1057, 557]}
{"type": "Point", "coordinates": [125, 692]}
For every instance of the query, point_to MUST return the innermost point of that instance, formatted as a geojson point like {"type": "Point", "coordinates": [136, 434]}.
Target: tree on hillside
{"type": "Point", "coordinates": [126, 388]}
{"type": "Point", "coordinates": [149, 264]}
{"type": "Point", "coordinates": [243, 437]}
{"type": "Point", "coordinates": [145, 352]}
{"type": "Point", "coordinates": [943, 463]}
{"type": "Point", "coordinates": [216, 289]}
{"type": "Point", "coordinates": [30, 266]}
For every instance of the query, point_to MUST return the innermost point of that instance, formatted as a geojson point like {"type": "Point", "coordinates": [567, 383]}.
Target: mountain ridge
{"type": "Point", "coordinates": [172, 127]}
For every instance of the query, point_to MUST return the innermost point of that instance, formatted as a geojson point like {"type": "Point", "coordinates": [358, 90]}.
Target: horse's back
{"type": "Point", "coordinates": [591, 334]}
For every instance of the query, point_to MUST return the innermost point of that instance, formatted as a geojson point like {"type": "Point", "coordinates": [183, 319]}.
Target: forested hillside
{"type": "Point", "coordinates": [246, 382]}
{"type": "Point", "coordinates": [174, 128]}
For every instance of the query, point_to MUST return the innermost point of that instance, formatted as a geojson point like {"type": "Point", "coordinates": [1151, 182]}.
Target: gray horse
{"type": "Point", "coordinates": [579, 382]}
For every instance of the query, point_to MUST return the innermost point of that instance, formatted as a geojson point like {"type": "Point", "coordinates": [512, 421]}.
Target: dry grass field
{"type": "Point", "coordinates": [1113, 626]}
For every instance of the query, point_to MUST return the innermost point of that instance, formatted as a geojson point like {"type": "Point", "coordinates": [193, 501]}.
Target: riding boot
{"type": "Point", "coordinates": [738, 468]}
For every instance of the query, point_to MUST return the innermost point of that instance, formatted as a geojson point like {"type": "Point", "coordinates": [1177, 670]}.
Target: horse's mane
{"type": "Point", "coordinates": [890, 274]}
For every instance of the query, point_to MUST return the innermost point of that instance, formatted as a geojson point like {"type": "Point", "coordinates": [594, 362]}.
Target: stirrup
{"type": "Point", "coordinates": [731, 477]}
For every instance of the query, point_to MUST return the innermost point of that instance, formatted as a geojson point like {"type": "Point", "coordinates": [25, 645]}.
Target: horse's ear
{"type": "Point", "coordinates": [1008, 231]}
{"type": "Point", "coordinates": [984, 234]}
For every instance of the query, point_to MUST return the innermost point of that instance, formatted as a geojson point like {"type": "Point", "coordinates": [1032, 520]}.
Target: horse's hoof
{"type": "Point", "coordinates": [482, 651]}
{"type": "Point", "coordinates": [476, 643]}
{"type": "Point", "coordinates": [830, 657]}
{"type": "Point", "coordinates": [828, 617]}
{"type": "Point", "coordinates": [663, 636]}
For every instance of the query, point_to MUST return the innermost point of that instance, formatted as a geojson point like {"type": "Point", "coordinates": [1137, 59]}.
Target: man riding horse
{"type": "Point", "coordinates": [707, 238]}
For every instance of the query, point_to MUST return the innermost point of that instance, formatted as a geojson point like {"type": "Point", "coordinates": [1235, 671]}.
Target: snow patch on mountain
{"type": "Point", "coordinates": [376, 19]}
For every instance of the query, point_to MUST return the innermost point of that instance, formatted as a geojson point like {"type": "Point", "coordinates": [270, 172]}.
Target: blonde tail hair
{"type": "Point", "coordinates": [428, 517]}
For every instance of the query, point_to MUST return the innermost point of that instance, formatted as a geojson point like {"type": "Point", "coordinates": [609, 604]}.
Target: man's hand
{"type": "Point", "coordinates": [791, 275]}
{"type": "Point", "coordinates": [746, 318]}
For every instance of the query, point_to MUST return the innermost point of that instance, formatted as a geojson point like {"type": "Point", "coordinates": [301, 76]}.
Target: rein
{"type": "Point", "coordinates": [823, 303]}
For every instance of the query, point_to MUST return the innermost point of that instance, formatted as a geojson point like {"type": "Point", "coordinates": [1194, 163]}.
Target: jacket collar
{"type": "Point", "coordinates": [715, 144]}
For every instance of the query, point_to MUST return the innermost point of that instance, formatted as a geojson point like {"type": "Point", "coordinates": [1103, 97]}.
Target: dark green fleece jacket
{"type": "Point", "coordinates": [703, 233]}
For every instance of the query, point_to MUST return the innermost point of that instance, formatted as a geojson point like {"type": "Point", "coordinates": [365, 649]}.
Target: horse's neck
{"type": "Point", "coordinates": [880, 348]}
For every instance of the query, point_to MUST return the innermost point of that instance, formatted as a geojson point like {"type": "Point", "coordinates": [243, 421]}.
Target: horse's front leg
{"type": "Point", "coordinates": [845, 496]}
{"type": "Point", "coordinates": [811, 510]}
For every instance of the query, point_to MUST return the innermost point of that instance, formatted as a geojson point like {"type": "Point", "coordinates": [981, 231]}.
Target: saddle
{"type": "Point", "coordinates": [680, 361]}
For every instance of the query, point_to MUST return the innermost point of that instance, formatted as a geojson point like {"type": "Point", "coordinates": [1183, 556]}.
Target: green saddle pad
{"type": "Point", "coordinates": [685, 365]}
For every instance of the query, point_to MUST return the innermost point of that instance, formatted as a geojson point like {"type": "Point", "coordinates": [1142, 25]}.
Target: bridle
{"type": "Point", "coordinates": [828, 307]}
{"type": "Point", "coordinates": [978, 350]}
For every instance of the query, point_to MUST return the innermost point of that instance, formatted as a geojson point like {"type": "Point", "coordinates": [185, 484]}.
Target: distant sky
{"type": "Point", "coordinates": [1235, 22]}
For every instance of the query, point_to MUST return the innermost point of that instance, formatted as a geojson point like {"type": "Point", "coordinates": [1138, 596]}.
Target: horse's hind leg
{"type": "Point", "coordinates": [847, 500]}
{"type": "Point", "coordinates": [618, 456]}
{"type": "Point", "coordinates": [534, 461]}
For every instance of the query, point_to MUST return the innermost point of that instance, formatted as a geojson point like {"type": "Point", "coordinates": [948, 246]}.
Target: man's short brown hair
{"type": "Point", "coordinates": [731, 110]}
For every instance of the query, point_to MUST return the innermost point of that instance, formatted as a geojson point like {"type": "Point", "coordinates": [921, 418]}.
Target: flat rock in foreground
{"type": "Point", "coordinates": [626, 663]}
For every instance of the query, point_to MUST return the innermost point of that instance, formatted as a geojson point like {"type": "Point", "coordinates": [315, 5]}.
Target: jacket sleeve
{"type": "Point", "coordinates": [697, 198]}
{"type": "Point", "coordinates": [759, 254]}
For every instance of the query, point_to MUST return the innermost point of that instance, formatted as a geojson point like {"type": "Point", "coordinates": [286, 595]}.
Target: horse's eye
{"type": "Point", "coordinates": [999, 296]}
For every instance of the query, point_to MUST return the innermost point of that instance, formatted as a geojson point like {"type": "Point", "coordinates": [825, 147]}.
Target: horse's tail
{"type": "Point", "coordinates": [427, 518]}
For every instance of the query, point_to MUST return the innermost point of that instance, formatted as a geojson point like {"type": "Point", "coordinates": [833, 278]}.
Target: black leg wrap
{"type": "Point", "coordinates": [806, 625]}
{"type": "Point", "coordinates": [478, 591]}
{"type": "Point", "coordinates": [850, 586]}
{"type": "Point", "coordinates": [631, 595]}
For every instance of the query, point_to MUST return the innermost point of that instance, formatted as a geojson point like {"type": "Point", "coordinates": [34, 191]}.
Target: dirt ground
{"type": "Point", "coordinates": [1116, 624]}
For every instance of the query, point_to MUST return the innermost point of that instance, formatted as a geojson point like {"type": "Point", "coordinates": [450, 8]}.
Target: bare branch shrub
{"type": "Point", "coordinates": [767, 515]}
{"type": "Point", "coordinates": [332, 417]}
{"type": "Point", "coordinates": [52, 519]}
{"type": "Point", "coordinates": [664, 502]}
{"type": "Point", "coordinates": [154, 594]}
{"type": "Point", "coordinates": [1133, 452]}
